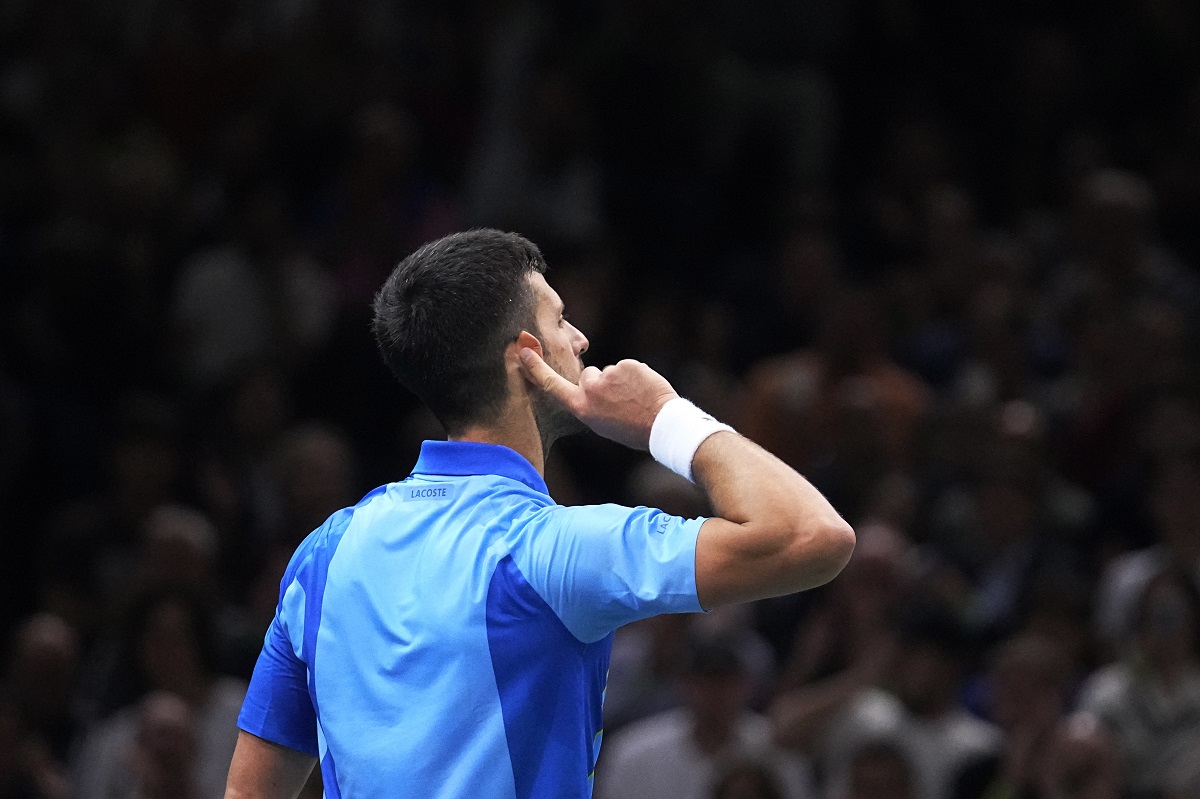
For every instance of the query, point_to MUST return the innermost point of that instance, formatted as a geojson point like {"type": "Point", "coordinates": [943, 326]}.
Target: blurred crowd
{"type": "Point", "coordinates": [940, 257]}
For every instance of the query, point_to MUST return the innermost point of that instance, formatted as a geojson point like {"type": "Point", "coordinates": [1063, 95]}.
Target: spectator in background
{"type": "Point", "coordinates": [1014, 548]}
{"type": "Point", "coordinates": [178, 555]}
{"type": "Point", "coordinates": [535, 168]}
{"type": "Point", "coordinates": [1082, 761]}
{"type": "Point", "coordinates": [881, 770]}
{"type": "Point", "coordinates": [38, 714]}
{"type": "Point", "coordinates": [1028, 691]}
{"type": "Point", "coordinates": [1175, 508]}
{"type": "Point", "coordinates": [162, 756]}
{"type": "Point", "coordinates": [748, 780]}
{"type": "Point", "coordinates": [1185, 783]}
{"type": "Point", "coordinates": [919, 711]}
{"type": "Point", "coordinates": [645, 670]}
{"type": "Point", "coordinates": [233, 482]}
{"type": "Point", "coordinates": [233, 474]}
{"type": "Point", "coordinates": [846, 642]}
{"type": "Point", "coordinates": [1150, 700]}
{"type": "Point", "coordinates": [843, 411]}
{"type": "Point", "coordinates": [1116, 252]}
{"type": "Point", "coordinates": [169, 645]}
{"type": "Point", "coordinates": [27, 771]}
{"type": "Point", "coordinates": [316, 475]}
{"type": "Point", "coordinates": [88, 554]}
{"type": "Point", "coordinates": [39, 684]}
{"type": "Point", "coordinates": [386, 199]}
{"type": "Point", "coordinates": [898, 221]}
{"type": "Point", "coordinates": [679, 754]}
{"type": "Point", "coordinates": [178, 550]}
{"type": "Point", "coordinates": [220, 316]}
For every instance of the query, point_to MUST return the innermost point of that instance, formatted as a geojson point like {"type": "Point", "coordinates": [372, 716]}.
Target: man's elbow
{"type": "Point", "coordinates": [842, 540]}
{"type": "Point", "coordinates": [826, 551]}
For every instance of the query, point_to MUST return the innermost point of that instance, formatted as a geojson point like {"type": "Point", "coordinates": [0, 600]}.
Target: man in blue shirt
{"type": "Point", "coordinates": [449, 635]}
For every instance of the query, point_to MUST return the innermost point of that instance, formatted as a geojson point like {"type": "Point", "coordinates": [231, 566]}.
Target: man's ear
{"type": "Point", "coordinates": [527, 339]}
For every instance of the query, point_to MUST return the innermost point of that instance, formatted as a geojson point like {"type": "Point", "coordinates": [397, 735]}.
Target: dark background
{"type": "Point", "coordinates": [941, 257]}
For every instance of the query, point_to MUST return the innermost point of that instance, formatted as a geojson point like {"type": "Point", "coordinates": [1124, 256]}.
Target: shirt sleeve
{"type": "Point", "coordinates": [278, 706]}
{"type": "Point", "coordinates": [603, 566]}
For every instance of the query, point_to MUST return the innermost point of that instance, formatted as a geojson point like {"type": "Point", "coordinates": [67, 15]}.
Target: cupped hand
{"type": "Point", "coordinates": [618, 402]}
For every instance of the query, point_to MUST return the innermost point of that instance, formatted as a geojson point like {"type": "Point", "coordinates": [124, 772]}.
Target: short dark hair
{"type": "Point", "coordinates": [445, 315]}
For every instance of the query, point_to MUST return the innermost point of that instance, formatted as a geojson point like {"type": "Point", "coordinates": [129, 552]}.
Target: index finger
{"type": "Point", "coordinates": [538, 372]}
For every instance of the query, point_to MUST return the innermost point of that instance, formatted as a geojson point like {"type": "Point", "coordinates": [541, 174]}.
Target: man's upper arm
{"type": "Point", "coordinates": [277, 745]}
{"type": "Point", "coordinates": [602, 566]}
{"type": "Point", "coordinates": [734, 565]}
{"type": "Point", "coordinates": [278, 706]}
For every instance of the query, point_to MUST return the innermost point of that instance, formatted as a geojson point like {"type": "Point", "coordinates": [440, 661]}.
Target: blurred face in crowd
{"type": "Point", "coordinates": [164, 748]}
{"type": "Point", "coordinates": [926, 677]}
{"type": "Point", "coordinates": [807, 268]}
{"type": "Point", "coordinates": [1028, 683]}
{"type": "Point", "coordinates": [317, 476]}
{"type": "Point", "coordinates": [748, 781]}
{"type": "Point", "coordinates": [872, 580]}
{"type": "Point", "coordinates": [258, 407]}
{"type": "Point", "coordinates": [43, 667]}
{"type": "Point", "coordinates": [716, 700]}
{"type": "Point", "coordinates": [1175, 503]}
{"type": "Point", "coordinates": [144, 468]}
{"type": "Point", "coordinates": [179, 548]}
{"type": "Point", "coordinates": [1007, 513]}
{"type": "Point", "coordinates": [169, 649]}
{"type": "Point", "coordinates": [10, 743]}
{"type": "Point", "coordinates": [1115, 211]}
{"type": "Point", "coordinates": [852, 332]}
{"type": "Point", "coordinates": [1081, 762]}
{"type": "Point", "coordinates": [881, 773]}
{"type": "Point", "coordinates": [1166, 629]}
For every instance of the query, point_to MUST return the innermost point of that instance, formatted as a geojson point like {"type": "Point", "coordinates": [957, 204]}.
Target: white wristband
{"type": "Point", "coordinates": [678, 431]}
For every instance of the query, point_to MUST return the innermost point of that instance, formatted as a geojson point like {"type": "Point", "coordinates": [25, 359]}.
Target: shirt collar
{"type": "Point", "coordinates": [462, 458]}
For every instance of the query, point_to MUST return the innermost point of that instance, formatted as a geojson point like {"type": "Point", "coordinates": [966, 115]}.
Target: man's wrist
{"type": "Point", "coordinates": [678, 431]}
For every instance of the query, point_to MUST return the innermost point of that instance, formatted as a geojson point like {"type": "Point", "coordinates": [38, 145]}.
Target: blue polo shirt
{"type": "Point", "coordinates": [449, 635]}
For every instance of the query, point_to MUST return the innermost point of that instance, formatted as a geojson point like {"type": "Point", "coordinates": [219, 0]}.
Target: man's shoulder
{"type": "Point", "coordinates": [549, 519]}
{"type": "Point", "coordinates": [324, 539]}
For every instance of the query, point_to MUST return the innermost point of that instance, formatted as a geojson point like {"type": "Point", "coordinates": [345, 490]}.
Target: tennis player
{"type": "Point", "coordinates": [448, 636]}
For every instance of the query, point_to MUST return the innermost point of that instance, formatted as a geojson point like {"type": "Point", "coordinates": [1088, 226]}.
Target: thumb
{"type": "Point", "coordinates": [538, 372]}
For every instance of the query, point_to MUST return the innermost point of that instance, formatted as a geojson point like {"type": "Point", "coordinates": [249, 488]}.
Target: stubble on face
{"type": "Point", "coordinates": [553, 419]}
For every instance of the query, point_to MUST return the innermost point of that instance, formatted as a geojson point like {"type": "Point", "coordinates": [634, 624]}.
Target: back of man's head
{"type": "Point", "coordinates": [446, 314]}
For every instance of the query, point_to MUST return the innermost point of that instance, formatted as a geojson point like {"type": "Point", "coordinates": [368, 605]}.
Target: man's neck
{"type": "Point", "coordinates": [517, 431]}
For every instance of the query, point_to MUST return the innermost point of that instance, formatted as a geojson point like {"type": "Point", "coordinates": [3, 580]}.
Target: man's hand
{"type": "Point", "coordinates": [619, 402]}
{"type": "Point", "coordinates": [772, 532]}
